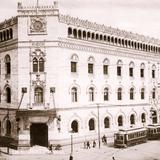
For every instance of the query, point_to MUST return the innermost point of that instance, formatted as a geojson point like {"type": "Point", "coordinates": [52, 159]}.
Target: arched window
{"type": "Point", "coordinates": [8, 128]}
{"type": "Point", "coordinates": [120, 121]}
{"type": "Point", "coordinates": [91, 94]}
{"type": "Point", "coordinates": [88, 35]}
{"type": "Point", "coordinates": [84, 34]}
{"type": "Point", "coordinates": [104, 38]}
{"type": "Point", "coordinates": [97, 36]}
{"type": "Point", "coordinates": [93, 36]}
{"type": "Point", "coordinates": [74, 126]}
{"type": "Point", "coordinates": [74, 94]}
{"type": "Point", "coordinates": [8, 64]}
{"type": "Point", "coordinates": [131, 69]}
{"type": "Point", "coordinates": [101, 37]}
{"type": "Point", "coordinates": [91, 124]}
{"type": "Point", "coordinates": [106, 94]}
{"type": "Point", "coordinates": [8, 36]}
{"type": "Point", "coordinates": [4, 35]}
{"type": "Point", "coordinates": [142, 93]}
{"type": "Point", "coordinates": [153, 93]}
{"type": "Point", "coordinates": [143, 118]}
{"type": "Point", "coordinates": [8, 95]}
{"type": "Point", "coordinates": [142, 67]}
{"type": "Point", "coordinates": [75, 33]}
{"type": "Point", "coordinates": [41, 65]}
{"type": "Point", "coordinates": [79, 34]}
{"type": "Point", "coordinates": [132, 119]}
{"type": "Point", "coordinates": [69, 31]}
{"type": "Point", "coordinates": [0, 128]}
{"type": "Point", "coordinates": [119, 41]}
{"type": "Point", "coordinates": [105, 66]}
{"type": "Point", "coordinates": [91, 65]}
{"type": "Point", "coordinates": [11, 33]}
{"type": "Point", "coordinates": [119, 68]}
{"type": "Point", "coordinates": [38, 95]}
{"type": "Point", "coordinates": [119, 94]}
{"type": "Point", "coordinates": [106, 122]}
{"type": "Point", "coordinates": [109, 38]}
{"type": "Point", "coordinates": [38, 65]}
{"type": "Point", "coordinates": [131, 93]}
{"type": "Point", "coordinates": [0, 36]}
{"type": "Point", "coordinates": [153, 71]}
{"type": "Point", "coordinates": [35, 65]}
{"type": "Point", "coordinates": [154, 117]}
{"type": "Point", "coordinates": [112, 39]}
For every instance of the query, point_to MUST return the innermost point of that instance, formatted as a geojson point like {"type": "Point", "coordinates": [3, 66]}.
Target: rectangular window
{"type": "Point", "coordinates": [105, 69]}
{"type": "Point", "coordinates": [73, 66]}
{"type": "Point", "coordinates": [131, 72]}
{"type": "Point", "coordinates": [142, 95]}
{"type": "Point", "coordinates": [118, 70]}
{"type": "Point", "coordinates": [142, 73]}
{"type": "Point", "coordinates": [90, 68]}
{"type": "Point", "coordinates": [153, 73]}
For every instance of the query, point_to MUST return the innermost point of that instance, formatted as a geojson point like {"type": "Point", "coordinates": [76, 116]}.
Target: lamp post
{"type": "Point", "coordinates": [99, 136]}
{"type": "Point", "coordinates": [71, 154]}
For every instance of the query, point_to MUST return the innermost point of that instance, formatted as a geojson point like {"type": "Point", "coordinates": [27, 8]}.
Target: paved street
{"type": "Point", "coordinates": [147, 151]}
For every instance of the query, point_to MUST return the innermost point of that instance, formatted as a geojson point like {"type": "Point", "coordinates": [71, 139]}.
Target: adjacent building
{"type": "Point", "coordinates": [61, 75]}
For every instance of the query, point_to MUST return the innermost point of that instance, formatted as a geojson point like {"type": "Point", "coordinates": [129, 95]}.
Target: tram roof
{"type": "Point", "coordinates": [131, 130]}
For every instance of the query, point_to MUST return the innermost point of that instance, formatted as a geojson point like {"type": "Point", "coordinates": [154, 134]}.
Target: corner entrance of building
{"type": "Point", "coordinates": [39, 134]}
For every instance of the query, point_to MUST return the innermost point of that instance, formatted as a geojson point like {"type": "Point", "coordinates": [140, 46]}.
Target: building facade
{"type": "Point", "coordinates": [60, 74]}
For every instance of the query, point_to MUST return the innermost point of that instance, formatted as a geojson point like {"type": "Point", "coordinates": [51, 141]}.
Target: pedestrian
{"type": "Point", "coordinates": [104, 139]}
{"type": "Point", "coordinates": [70, 157]}
{"type": "Point", "coordinates": [51, 148]}
{"type": "Point", "coordinates": [88, 145]}
{"type": "Point", "coordinates": [113, 158]}
{"type": "Point", "coordinates": [94, 144]}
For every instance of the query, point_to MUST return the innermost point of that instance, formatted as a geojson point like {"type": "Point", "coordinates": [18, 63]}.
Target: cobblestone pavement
{"type": "Point", "coordinates": [146, 151]}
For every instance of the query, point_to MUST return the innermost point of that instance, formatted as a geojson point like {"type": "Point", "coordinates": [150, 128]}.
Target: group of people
{"type": "Point", "coordinates": [87, 144]}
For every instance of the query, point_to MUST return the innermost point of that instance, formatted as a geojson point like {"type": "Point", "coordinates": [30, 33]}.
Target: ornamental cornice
{"type": "Point", "coordinates": [8, 23]}
{"type": "Point", "coordinates": [106, 49]}
{"type": "Point", "coordinates": [107, 29]}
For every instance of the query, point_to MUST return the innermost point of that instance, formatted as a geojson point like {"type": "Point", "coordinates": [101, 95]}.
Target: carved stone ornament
{"type": "Point", "coordinates": [38, 25]}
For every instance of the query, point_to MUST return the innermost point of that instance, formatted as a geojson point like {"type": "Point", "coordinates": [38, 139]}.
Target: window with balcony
{"type": "Point", "coordinates": [132, 119]}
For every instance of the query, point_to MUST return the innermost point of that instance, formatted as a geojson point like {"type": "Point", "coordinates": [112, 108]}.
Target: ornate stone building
{"type": "Point", "coordinates": [60, 74]}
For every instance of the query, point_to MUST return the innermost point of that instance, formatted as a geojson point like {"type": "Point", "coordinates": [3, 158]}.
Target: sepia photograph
{"type": "Point", "coordinates": [79, 80]}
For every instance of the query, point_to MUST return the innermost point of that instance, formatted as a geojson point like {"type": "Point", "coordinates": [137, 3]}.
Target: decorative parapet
{"type": "Point", "coordinates": [38, 10]}
{"type": "Point", "coordinates": [7, 23]}
{"type": "Point", "coordinates": [105, 29]}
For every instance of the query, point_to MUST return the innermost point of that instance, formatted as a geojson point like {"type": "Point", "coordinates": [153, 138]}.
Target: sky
{"type": "Point", "coordinates": [137, 16]}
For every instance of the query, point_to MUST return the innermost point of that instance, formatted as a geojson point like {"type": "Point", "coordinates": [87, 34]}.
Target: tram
{"type": "Point", "coordinates": [130, 137]}
{"type": "Point", "coordinates": [153, 131]}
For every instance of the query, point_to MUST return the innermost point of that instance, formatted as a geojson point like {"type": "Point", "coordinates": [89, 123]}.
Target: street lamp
{"type": "Point", "coordinates": [71, 154]}
{"type": "Point", "coordinates": [99, 136]}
